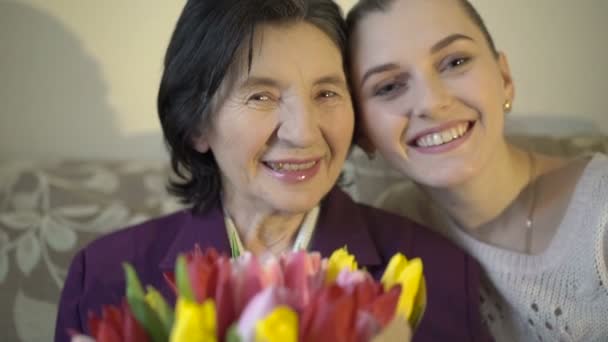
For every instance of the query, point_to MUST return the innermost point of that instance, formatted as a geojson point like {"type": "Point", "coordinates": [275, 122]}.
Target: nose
{"type": "Point", "coordinates": [431, 96]}
{"type": "Point", "coordinates": [299, 123]}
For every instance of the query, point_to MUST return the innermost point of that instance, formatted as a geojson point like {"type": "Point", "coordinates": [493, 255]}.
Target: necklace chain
{"type": "Point", "coordinates": [529, 219]}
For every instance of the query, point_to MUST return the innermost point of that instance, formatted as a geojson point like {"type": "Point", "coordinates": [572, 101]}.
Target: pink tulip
{"type": "Point", "coordinates": [303, 275]}
{"type": "Point", "coordinates": [347, 278]}
{"type": "Point", "coordinates": [366, 326]}
{"type": "Point", "coordinates": [246, 280]}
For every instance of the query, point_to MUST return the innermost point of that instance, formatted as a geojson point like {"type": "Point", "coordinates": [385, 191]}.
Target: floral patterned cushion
{"type": "Point", "coordinates": [49, 210]}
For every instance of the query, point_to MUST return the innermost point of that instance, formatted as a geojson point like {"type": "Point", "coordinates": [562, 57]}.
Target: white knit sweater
{"type": "Point", "coordinates": [559, 295]}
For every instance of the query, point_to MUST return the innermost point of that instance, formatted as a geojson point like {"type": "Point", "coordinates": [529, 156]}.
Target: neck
{"type": "Point", "coordinates": [487, 194]}
{"type": "Point", "coordinates": [262, 230]}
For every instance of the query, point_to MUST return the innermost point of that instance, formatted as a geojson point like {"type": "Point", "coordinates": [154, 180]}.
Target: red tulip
{"type": "Point", "coordinates": [330, 316]}
{"type": "Point", "coordinates": [202, 271]}
{"type": "Point", "coordinates": [224, 300]}
{"type": "Point", "coordinates": [383, 307]}
{"type": "Point", "coordinates": [115, 325]}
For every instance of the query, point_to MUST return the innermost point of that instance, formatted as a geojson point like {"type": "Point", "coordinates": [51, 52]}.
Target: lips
{"type": "Point", "coordinates": [293, 171]}
{"type": "Point", "coordinates": [441, 136]}
{"type": "Point", "coordinates": [290, 166]}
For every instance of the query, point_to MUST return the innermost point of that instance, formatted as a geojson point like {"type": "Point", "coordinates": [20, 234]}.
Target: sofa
{"type": "Point", "coordinates": [50, 209]}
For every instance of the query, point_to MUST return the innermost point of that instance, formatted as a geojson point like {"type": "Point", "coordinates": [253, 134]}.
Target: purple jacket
{"type": "Point", "coordinates": [95, 277]}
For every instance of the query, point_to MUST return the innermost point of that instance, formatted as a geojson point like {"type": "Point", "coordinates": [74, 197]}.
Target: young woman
{"type": "Point", "coordinates": [432, 92]}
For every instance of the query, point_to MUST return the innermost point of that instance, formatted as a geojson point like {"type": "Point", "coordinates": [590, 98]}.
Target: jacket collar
{"type": "Point", "coordinates": [206, 230]}
{"type": "Point", "coordinates": [340, 224]}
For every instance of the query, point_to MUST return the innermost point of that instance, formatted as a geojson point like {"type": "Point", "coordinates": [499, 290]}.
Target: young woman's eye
{"type": "Point", "coordinates": [455, 63]}
{"type": "Point", "coordinates": [389, 88]}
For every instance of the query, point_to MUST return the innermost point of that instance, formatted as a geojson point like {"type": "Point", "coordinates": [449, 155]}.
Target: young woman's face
{"type": "Point", "coordinates": [430, 90]}
{"type": "Point", "coordinates": [282, 133]}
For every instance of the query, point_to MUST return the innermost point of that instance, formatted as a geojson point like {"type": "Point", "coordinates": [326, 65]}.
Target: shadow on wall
{"type": "Point", "coordinates": [53, 96]}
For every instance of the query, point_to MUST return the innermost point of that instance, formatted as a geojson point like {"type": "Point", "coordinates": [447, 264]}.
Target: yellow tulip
{"type": "Point", "coordinates": [280, 325]}
{"type": "Point", "coordinates": [194, 322]}
{"type": "Point", "coordinates": [339, 260]}
{"type": "Point", "coordinates": [407, 274]}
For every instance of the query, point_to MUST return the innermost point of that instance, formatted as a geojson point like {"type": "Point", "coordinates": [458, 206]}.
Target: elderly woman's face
{"type": "Point", "coordinates": [282, 133]}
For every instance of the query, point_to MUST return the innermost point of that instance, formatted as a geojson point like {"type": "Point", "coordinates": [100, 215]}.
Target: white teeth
{"type": "Point", "coordinates": [291, 166]}
{"type": "Point", "coordinates": [443, 137]}
{"type": "Point", "coordinates": [447, 136]}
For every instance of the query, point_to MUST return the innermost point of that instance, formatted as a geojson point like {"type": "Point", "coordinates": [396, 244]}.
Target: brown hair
{"type": "Point", "coordinates": [364, 7]}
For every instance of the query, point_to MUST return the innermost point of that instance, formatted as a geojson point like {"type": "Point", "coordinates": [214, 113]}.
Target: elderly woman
{"type": "Point", "coordinates": [257, 114]}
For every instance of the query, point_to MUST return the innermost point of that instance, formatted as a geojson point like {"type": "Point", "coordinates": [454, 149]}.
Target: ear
{"type": "Point", "coordinates": [505, 72]}
{"type": "Point", "coordinates": [200, 143]}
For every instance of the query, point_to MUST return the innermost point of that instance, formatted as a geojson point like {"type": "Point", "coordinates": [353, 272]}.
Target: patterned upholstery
{"type": "Point", "coordinates": [48, 210]}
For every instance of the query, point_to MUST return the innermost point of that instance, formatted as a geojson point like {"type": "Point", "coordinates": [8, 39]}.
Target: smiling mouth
{"type": "Point", "coordinates": [290, 166]}
{"type": "Point", "coordinates": [443, 137]}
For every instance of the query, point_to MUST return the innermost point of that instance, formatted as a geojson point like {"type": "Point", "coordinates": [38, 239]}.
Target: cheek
{"type": "Point", "coordinates": [238, 148]}
{"type": "Point", "coordinates": [485, 90]}
{"type": "Point", "coordinates": [384, 128]}
{"type": "Point", "coordinates": [339, 127]}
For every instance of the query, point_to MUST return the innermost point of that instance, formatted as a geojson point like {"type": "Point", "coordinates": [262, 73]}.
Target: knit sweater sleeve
{"type": "Point", "coordinates": [602, 260]}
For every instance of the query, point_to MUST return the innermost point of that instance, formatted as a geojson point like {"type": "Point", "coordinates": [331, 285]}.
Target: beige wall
{"type": "Point", "coordinates": [80, 77]}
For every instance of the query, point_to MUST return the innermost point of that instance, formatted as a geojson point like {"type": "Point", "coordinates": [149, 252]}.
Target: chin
{"type": "Point", "coordinates": [443, 180]}
{"type": "Point", "coordinates": [294, 204]}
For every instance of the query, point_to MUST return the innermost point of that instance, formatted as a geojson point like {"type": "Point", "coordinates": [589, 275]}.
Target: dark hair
{"type": "Point", "coordinates": [365, 7]}
{"type": "Point", "coordinates": [210, 38]}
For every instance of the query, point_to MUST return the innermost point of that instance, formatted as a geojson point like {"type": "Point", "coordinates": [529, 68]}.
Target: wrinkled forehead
{"type": "Point", "coordinates": [280, 41]}
{"type": "Point", "coordinates": [282, 51]}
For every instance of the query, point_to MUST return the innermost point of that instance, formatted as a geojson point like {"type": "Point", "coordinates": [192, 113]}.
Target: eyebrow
{"type": "Point", "coordinates": [335, 80]}
{"type": "Point", "coordinates": [438, 46]}
{"type": "Point", "coordinates": [254, 81]}
{"type": "Point", "coordinates": [378, 69]}
{"type": "Point", "coordinates": [449, 40]}
{"type": "Point", "coordinates": [260, 81]}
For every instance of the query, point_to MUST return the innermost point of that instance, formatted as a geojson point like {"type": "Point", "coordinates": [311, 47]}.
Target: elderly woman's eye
{"type": "Point", "coordinates": [327, 94]}
{"type": "Point", "coordinates": [260, 97]}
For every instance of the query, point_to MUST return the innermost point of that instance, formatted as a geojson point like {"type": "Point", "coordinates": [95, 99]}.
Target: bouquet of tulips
{"type": "Point", "coordinates": [296, 297]}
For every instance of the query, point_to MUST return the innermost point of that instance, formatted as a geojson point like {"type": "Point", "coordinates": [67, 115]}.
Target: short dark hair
{"type": "Point", "coordinates": [209, 39]}
{"type": "Point", "coordinates": [365, 7]}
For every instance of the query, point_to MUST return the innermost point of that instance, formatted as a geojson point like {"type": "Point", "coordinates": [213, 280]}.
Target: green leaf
{"type": "Point", "coordinates": [183, 280]}
{"type": "Point", "coordinates": [156, 301]}
{"type": "Point", "coordinates": [134, 288]}
{"type": "Point", "coordinates": [232, 334]}
{"type": "Point", "coordinates": [143, 313]}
